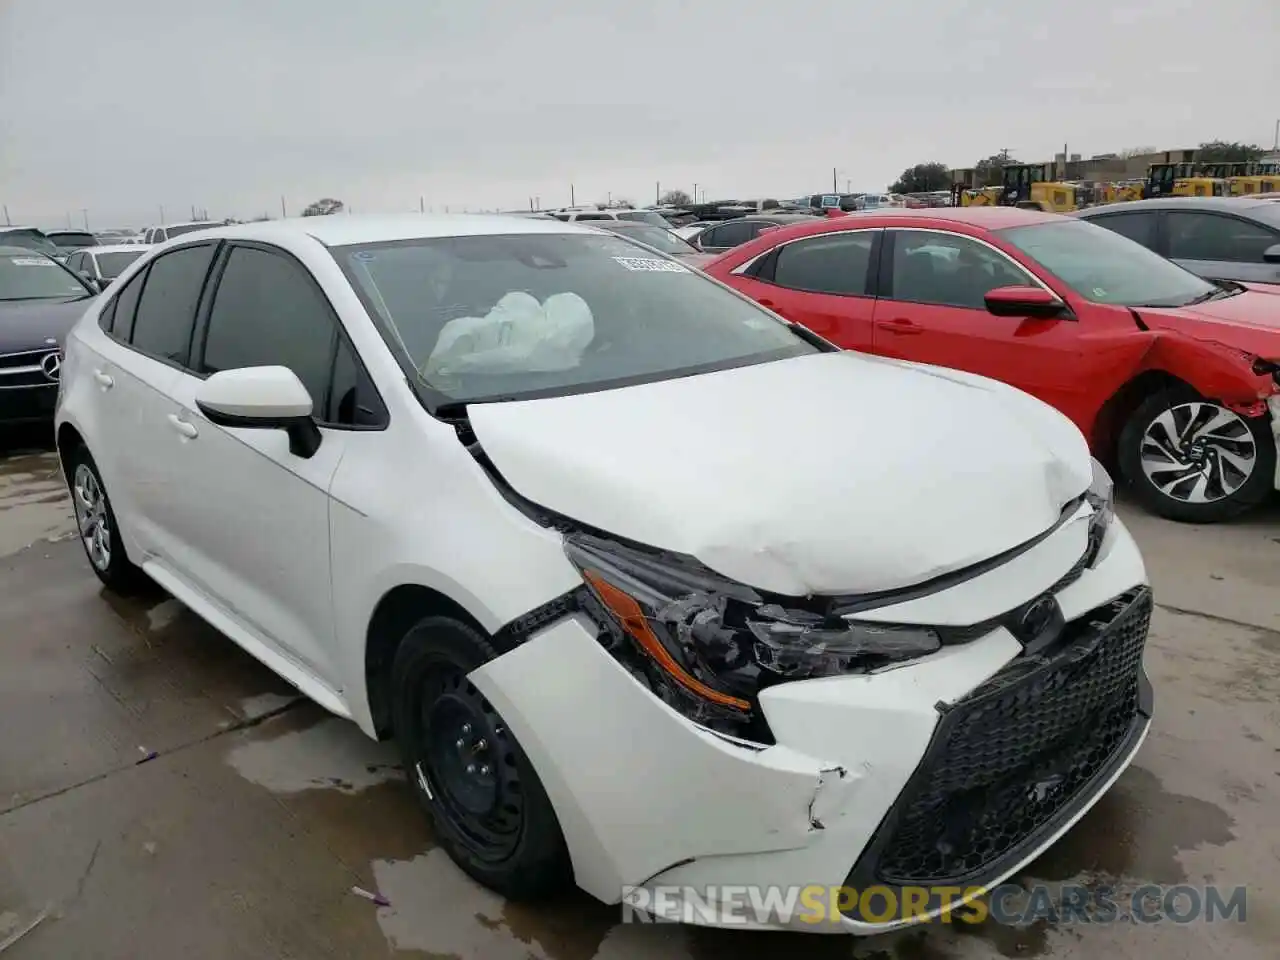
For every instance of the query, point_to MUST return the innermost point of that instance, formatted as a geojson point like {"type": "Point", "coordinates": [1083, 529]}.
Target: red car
{"type": "Point", "coordinates": [1174, 380]}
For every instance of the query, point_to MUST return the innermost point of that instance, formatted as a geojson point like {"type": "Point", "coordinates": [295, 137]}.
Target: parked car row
{"type": "Point", "coordinates": [510, 490]}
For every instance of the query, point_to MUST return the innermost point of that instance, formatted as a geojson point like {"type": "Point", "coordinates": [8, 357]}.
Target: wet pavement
{"type": "Point", "coordinates": [162, 794]}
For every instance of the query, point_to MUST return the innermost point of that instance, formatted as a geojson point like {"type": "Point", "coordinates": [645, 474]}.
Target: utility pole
{"type": "Point", "coordinates": [573, 201]}
{"type": "Point", "coordinates": [657, 192]}
{"type": "Point", "coordinates": [422, 205]}
{"type": "Point", "coordinates": [283, 213]}
{"type": "Point", "coordinates": [7, 221]}
{"type": "Point", "coordinates": [695, 193]}
{"type": "Point", "coordinates": [1277, 143]}
{"type": "Point", "coordinates": [161, 223]}
{"type": "Point", "coordinates": [84, 212]}
{"type": "Point", "coordinates": [193, 211]}
{"type": "Point", "coordinates": [835, 183]}
{"type": "Point", "coordinates": [608, 198]}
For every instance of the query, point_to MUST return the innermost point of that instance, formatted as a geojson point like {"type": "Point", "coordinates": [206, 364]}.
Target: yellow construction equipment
{"type": "Point", "coordinates": [984, 197]}
{"type": "Point", "coordinates": [1183, 180]}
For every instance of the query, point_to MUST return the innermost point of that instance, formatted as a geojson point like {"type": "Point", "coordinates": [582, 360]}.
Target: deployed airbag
{"type": "Point", "coordinates": [519, 335]}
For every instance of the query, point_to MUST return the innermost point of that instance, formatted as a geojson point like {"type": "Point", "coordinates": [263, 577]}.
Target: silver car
{"type": "Point", "coordinates": [1218, 238]}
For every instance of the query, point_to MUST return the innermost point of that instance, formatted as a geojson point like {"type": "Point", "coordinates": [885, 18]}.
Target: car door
{"type": "Point", "coordinates": [931, 309]}
{"type": "Point", "coordinates": [1219, 246]}
{"type": "Point", "coordinates": [824, 282]}
{"type": "Point", "coordinates": [148, 330]}
{"type": "Point", "coordinates": [253, 528]}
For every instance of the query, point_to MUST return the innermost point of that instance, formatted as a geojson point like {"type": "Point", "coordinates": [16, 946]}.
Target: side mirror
{"type": "Point", "coordinates": [262, 398]}
{"type": "Point", "coordinates": [1271, 254]}
{"type": "Point", "coordinates": [1034, 302]}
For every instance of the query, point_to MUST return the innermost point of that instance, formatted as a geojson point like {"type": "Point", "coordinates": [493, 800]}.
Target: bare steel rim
{"type": "Point", "coordinates": [1198, 452]}
{"type": "Point", "coordinates": [91, 517]}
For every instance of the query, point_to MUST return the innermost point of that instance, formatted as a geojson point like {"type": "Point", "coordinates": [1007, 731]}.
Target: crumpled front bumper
{"type": "Point", "coordinates": [646, 798]}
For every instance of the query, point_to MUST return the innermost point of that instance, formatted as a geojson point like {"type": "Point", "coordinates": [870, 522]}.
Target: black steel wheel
{"type": "Point", "coordinates": [488, 806]}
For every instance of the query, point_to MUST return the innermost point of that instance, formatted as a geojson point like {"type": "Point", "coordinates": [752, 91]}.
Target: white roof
{"type": "Point", "coordinates": [340, 229]}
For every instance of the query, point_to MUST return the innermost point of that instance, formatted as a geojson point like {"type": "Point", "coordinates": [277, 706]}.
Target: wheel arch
{"type": "Point", "coordinates": [1120, 405]}
{"type": "Point", "coordinates": [67, 438]}
{"type": "Point", "coordinates": [399, 609]}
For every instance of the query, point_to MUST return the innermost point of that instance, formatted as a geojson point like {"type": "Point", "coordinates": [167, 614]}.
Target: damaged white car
{"type": "Point", "coordinates": [653, 589]}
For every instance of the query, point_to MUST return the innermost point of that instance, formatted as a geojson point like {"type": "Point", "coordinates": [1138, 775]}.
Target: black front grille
{"type": "Point", "coordinates": [23, 369]}
{"type": "Point", "coordinates": [1011, 761]}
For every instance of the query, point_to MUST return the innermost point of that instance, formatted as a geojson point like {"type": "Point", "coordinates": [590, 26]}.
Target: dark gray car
{"type": "Point", "coordinates": [733, 233]}
{"type": "Point", "coordinates": [1218, 238]}
{"type": "Point", "coordinates": [40, 301]}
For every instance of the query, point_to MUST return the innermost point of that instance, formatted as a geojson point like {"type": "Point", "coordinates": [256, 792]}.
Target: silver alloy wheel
{"type": "Point", "coordinates": [91, 517]}
{"type": "Point", "coordinates": [1198, 452]}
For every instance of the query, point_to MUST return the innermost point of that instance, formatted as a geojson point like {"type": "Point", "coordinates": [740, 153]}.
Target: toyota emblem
{"type": "Point", "coordinates": [51, 364]}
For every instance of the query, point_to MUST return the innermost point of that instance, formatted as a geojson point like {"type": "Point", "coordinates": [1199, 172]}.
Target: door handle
{"type": "Point", "coordinates": [901, 326]}
{"type": "Point", "coordinates": [187, 430]}
{"type": "Point", "coordinates": [104, 380]}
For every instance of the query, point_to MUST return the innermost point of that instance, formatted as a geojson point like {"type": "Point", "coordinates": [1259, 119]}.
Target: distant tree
{"type": "Point", "coordinates": [322, 208]}
{"type": "Point", "coordinates": [1220, 151]}
{"type": "Point", "coordinates": [1135, 152]}
{"type": "Point", "coordinates": [922, 178]}
{"type": "Point", "coordinates": [675, 198]}
{"type": "Point", "coordinates": [990, 172]}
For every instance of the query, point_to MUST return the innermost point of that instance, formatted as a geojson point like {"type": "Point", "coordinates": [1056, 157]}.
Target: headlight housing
{"type": "Point", "coordinates": [707, 645]}
{"type": "Point", "coordinates": [1101, 495]}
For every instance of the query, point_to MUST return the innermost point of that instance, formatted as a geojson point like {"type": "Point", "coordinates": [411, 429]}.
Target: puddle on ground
{"type": "Point", "coordinates": [331, 754]}
{"type": "Point", "coordinates": [1137, 830]}
{"type": "Point", "coordinates": [33, 501]}
{"type": "Point", "coordinates": [472, 923]}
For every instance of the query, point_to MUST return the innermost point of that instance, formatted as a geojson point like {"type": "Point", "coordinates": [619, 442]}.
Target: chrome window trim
{"type": "Point", "coordinates": [1035, 281]}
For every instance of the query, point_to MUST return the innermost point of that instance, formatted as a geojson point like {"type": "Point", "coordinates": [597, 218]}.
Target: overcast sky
{"type": "Point", "coordinates": [122, 106]}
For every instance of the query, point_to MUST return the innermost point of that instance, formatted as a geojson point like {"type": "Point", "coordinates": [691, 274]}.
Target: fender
{"type": "Point", "coordinates": [1218, 371]}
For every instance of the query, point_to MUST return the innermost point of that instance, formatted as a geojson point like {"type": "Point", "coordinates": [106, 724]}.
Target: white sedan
{"type": "Point", "coordinates": [657, 593]}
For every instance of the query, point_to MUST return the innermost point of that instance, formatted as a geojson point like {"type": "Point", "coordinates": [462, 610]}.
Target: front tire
{"type": "Point", "coordinates": [490, 811]}
{"type": "Point", "coordinates": [97, 526]}
{"type": "Point", "coordinates": [1193, 460]}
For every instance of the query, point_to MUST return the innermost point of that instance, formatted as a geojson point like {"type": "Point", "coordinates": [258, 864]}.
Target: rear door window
{"type": "Point", "coordinates": [118, 319]}
{"type": "Point", "coordinates": [835, 263]}
{"type": "Point", "coordinates": [1211, 236]}
{"type": "Point", "coordinates": [166, 313]}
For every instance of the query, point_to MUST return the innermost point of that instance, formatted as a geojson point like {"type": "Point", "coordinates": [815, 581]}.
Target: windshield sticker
{"type": "Point", "coordinates": [643, 264]}
{"type": "Point", "coordinates": [31, 262]}
{"type": "Point", "coordinates": [363, 255]}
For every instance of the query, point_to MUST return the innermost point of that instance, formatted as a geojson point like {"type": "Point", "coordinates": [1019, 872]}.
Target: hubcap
{"type": "Point", "coordinates": [91, 517]}
{"type": "Point", "coordinates": [468, 768]}
{"type": "Point", "coordinates": [1198, 452]}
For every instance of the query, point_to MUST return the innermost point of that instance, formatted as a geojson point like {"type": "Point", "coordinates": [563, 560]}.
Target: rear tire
{"type": "Point", "coordinates": [98, 528]}
{"type": "Point", "coordinates": [468, 771]}
{"type": "Point", "coordinates": [1192, 460]}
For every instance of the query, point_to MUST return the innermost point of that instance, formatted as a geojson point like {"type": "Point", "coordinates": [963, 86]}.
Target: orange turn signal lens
{"type": "Point", "coordinates": [632, 619]}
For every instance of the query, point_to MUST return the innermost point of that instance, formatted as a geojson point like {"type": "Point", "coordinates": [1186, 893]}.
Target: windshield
{"type": "Point", "coordinates": [37, 278]}
{"type": "Point", "coordinates": [30, 239]}
{"type": "Point", "coordinates": [538, 314]}
{"type": "Point", "coordinates": [657, 237]}
{"type": "Point", "coordinates": [74, 241]}
{"type": "Point", "coordinates": [645, 216]}
{"type": "Point", "coordinates": [1105, 267]}
{"type": "Point", "coordinates": [112, 264]}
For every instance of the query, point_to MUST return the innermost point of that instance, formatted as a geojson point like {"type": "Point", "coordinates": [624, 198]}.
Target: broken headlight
{"type": "Point", "coordinates": [1101, 495]}
{"type": "Point", "coordinates": [709, 644]}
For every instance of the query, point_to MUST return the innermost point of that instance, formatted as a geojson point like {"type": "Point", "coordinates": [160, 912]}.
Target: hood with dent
{"type": "Point", "coordinates": [824, 474]}
{"type": "Point", "coordinates": [31, 324]}
{"type": "Point", "coordinates": [1248, 321]}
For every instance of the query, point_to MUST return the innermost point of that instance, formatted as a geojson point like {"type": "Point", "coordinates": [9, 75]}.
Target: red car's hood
{"type": "Point", "coordinates": [1249, 321]}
